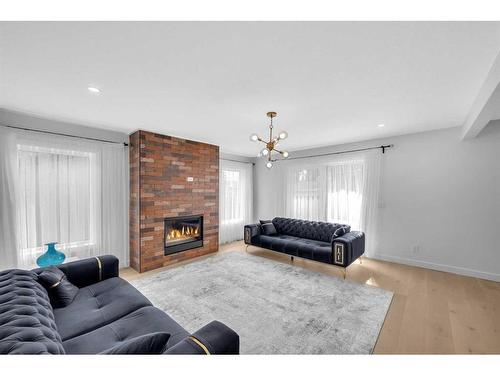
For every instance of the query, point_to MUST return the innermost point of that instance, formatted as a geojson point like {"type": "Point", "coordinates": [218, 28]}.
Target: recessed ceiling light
{"type": "Point", "coordinates": [381, 125]}
{"type": "Point", "coordinates": [94, 90]}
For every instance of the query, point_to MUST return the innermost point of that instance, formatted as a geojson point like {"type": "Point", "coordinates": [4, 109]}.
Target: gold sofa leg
{"type": "Point", "coordinates": [344, 272]}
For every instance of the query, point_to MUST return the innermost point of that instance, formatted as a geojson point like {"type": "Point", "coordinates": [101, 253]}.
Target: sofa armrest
{"type": "Point", "coordinates": [214, 338]}
{"type": "Point", "coordinates": [252, 233]}
{"type": "Point", "coordinates": [347, 248]}
{"type": "Point", "coordinates": [89, 271]}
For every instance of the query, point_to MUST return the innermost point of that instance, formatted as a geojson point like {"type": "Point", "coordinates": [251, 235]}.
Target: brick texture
{"type": "Point", "coordinates": [159, 167]}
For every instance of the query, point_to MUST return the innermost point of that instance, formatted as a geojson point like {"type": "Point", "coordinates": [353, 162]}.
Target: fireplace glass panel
{"type": "Point", "coordinates": [183, 233]}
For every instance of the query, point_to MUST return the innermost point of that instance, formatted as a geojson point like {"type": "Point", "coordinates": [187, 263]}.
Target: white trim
{"type": "Point", "coordinates": [438, 267]}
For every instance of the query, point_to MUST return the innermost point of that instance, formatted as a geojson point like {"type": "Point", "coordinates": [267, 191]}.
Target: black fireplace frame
{"type": "Point", "coordinates": [168, 250]}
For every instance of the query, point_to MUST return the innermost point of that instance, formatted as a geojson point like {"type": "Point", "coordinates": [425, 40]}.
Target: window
{"type": "Point", "coordinates": [55, 199]}
{"type": "Point", "coordinates": [333, 191]}
{"type": "Point", "coordinates": [74, 192]}
{"type": "Point", "coordinates": [345, 188]}
{"type": "Point", "coordinates": [235, 199]}
{"type": "Point", "coordinates": [305, 194]}
{"type": "Point", "coordinates": [233, 211]}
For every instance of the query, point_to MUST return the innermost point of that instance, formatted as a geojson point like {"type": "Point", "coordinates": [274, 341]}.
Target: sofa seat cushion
{"type": "Point", "coordinates": [27, 324]}
{"type": "Point", "coordinates": [97, 305]}
{"type": "Point", "coordinates": [301, 247]}
{"type": "Point", "coordinates": [140, 322]}
{"type": "Point", "coordinates": [315, 250]}
{"type": "Point", "coordinates": [281, 243]}
{"type": "Point", "coordinates": [152, 343]}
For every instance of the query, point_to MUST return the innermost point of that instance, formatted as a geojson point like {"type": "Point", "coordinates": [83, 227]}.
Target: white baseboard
{"type": "Point", "coordinates": [438, 267]}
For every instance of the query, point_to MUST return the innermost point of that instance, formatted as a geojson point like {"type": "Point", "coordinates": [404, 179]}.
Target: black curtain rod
{"type": "Point", "coordinates": [238, 161]}
{"type": "Point", "coordinates": [383, 147]}
{"type": "Point", "coordinates": [66, 135]}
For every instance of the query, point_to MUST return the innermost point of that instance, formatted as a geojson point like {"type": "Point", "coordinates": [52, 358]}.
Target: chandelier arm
{"type": "Point", "coordinates": [261, 140]}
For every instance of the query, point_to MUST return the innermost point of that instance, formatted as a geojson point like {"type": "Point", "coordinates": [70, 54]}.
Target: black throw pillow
{"type": "Point", "coordinates": [262, 222]}
{"type": "Point", "coordinates": [340, 231]}
{"type": "Point", "coordinates": [61, 291]}
{"type": "Point", "coordinates": [268, 229]}
{"type": "Point", "coordinates": [152, 343]}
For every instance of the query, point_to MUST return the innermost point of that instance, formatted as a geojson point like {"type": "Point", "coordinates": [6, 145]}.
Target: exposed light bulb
{"type": "Point", "coordinates": [283, 135]}
{"type": "Point", "coordinates": [264, 152]}
{"type": "Point", "coordinates": [94, 90]}
{"type": "Point", "coordinates": [285, 154]}
{"type": "Point", "coordinates": [254, 137]}
{"type": "Point", "coordinates": [269, 165]}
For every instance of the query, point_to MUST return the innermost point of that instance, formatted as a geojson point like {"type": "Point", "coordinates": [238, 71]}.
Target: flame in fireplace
{"type": "Point", "coordinates": [184, 232]}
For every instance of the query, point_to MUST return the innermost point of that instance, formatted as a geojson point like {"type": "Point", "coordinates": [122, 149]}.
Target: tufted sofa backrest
{"type": "Point", "coordinates": [313, 230]}
{"type": "Point", "coordinates": [27, 324]}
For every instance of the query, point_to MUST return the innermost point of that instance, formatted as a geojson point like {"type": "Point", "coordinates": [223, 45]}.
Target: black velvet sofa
{"type": "Point", "coordinates": [106, 311]}
{"type": "Point", "coordinates": [323, 242]}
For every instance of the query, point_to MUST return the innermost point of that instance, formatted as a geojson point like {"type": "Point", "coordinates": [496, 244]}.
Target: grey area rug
{"type": "Point", "coordinates": [276, 308]}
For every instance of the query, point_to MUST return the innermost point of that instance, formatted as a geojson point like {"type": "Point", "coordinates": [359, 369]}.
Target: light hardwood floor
{"type": "Point", "coordinates": [432, 312]}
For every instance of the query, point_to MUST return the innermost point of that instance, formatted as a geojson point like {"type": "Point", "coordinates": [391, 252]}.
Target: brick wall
{"type": "Point", "coordinates": [159, 167]}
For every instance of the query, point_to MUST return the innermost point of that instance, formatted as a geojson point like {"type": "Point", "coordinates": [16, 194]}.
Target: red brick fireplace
{"type": "Point", "coordinates": [170, 177]}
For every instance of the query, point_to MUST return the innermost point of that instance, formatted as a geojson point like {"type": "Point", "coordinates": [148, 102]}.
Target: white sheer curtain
{"type": "Point", "coordinates": [54, 197]}
{"type": "Point", "coordinates": [8, 189]}
{"type": "Point", "coordinates": [370, 205]}
{"type": "Point", "coordinates": [235, 201]}
{"type": "Point", "coordinates": [305, 193]}
{"type": "Point", "coordinates": [341, 189]}
{"type": "Point", "coordinates": [114, 182]}
{"type": "Point", "coordinates": [345, 190]}
{"type": "Point", "coordinates": [72, 192]}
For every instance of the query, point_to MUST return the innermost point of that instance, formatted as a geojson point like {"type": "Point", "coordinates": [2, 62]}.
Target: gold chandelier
{"type": "Point", "coordinates": [272, 143]}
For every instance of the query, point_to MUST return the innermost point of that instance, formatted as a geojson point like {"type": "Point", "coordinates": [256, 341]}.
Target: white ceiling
{"type": "Point", "coordinates": [330, 82]}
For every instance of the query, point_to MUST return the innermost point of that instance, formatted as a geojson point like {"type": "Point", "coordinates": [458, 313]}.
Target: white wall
{"type": "Point", "coordinates": [439, 200]}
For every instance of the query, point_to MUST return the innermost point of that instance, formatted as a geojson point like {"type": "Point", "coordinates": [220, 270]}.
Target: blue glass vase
{"type": "Point", "coordinates": [51, 257]}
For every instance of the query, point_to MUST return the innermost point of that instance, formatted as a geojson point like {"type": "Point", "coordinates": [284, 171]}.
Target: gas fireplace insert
{"type": "Point", "coordinates": [182, 233]}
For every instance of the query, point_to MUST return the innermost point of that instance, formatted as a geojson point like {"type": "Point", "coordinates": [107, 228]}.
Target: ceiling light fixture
{"type": "Point", "coordinates": [94, 90]}
{"type": "Point", "coordinates": [381, 125]}
{"type": "Point", "coordinates": [271, 145]}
